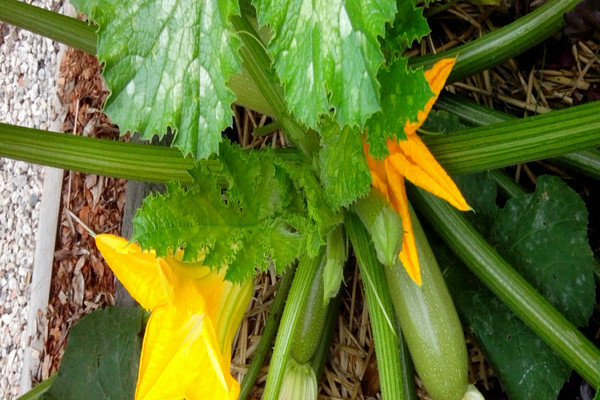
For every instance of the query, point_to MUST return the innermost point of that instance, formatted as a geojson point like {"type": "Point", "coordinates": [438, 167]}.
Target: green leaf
{"type": "Point", "coordinates": [344, 170]}
{"type": "Point", "coordinates": [526, 366]}
{"type": "Point", "coordinates": [310, 196]}
{"type": "Point", "coordinates": [409, 25]}
{"type": "Point", "coordinates": [544, 236]}
{"type": "Point", "coordinates": [168, 64]}
{"type": "Point", "coordinates": [403, 93]}
{"type": "Point", "coordinates": [101, 357]}
{"type": "Point", "coordinates": [327, 54]}
{"type": "Point", "coordinates": [480, 191]}
{"type": "Point", "coordinates": [241, 225]}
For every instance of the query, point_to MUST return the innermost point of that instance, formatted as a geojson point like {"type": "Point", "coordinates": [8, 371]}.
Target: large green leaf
{"type": "Point", "coordinates": [344, 170]}
{"type": "Point", "coordinates": [233, 212]}
{"type": "Point", "coordinates": [527, 367]}
{"type": "Point", "coordinates": [409, 25]}
{"type": "Point", "coordinates": [544, 237]}
{"type": "Point", "coordinates": [404, 92]}
{"type": "Point", "coordinates": [319, 218]}
{"type": "Point", "coordinates": [327, 54]}
{"type": "Point", "coordinates": [101, 358]}
{"type": "Point", "coordinates": [167, 63]}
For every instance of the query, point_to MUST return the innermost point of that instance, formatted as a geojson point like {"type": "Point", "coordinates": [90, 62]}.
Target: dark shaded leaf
{"type": "Point", "coordinates": [344, 170]}
{"type": "Point", "coordinates": [101, 358]}
{"type": "Point", "coordinates": [583, 21]}
{"type": "Point", "coordinates": [527, 367]}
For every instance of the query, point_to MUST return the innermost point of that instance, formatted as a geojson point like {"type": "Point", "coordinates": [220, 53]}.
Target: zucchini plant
{"type": "Point", "coordinates": [334, 78]}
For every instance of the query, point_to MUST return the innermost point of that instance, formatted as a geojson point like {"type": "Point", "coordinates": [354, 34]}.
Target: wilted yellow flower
{"type": "Point", "coordinates": [186, 352]}
{"type": "Point", "coordinates": [412, 160]}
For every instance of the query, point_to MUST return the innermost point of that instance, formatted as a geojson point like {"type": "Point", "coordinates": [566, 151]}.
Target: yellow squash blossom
{"type": "Point", "coordinates": [186, 353]}
{"type": "Point", "coordinates": [412, 160]}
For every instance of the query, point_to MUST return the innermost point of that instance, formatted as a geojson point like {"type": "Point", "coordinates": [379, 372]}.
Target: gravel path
{"type": "Point", "coordinates": [28, 65]}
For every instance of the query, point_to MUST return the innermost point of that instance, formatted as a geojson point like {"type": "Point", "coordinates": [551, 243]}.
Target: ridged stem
{"type": "Point", "coordinates": [98, 156]}
{"type": "Point", "coordinates": [586, 161]}
{"type": "Point", "coordinates": [301, 286]}
{"type": "Point", "coordinates": [70, 31]}
{"type": "Point", "coordinates": [258, 64]}
{"type": "Point", "coordinates": [38, 391]}
{"type": "Point", "coordinates": [381, 312]}
{"type": "Point", "coordinates": [266, 338]}
{"type": "Point", "coordinates": [502, 44]}
{"type": "Point", "coordinates": [519, 140]}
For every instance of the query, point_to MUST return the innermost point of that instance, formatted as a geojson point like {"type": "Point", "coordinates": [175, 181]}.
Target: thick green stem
{"type": "Point", "coordinates": [303, 279]}
{"type": "Point", "coordinates": [509, 286]}
{"type": "Point", "coordinates": [517, 141]}
{"type": "Point", "coordinates": [472, 150]}
{"type": "Point", "coordinates": [585, 161]}
{"type": "Point", "coordinates": [98, 156]}
{"type": "Point", "coordinates": [55, 26]}
{"type": "Point", "coordinates": [266, 339]}
{"type": "Point", "coordinates": [381, 311]}
{"type": "Point", "coordinates": [504, 43]}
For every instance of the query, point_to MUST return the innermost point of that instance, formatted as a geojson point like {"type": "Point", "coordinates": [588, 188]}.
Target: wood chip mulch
{"type": "Point", "coordinates": [81, 281]}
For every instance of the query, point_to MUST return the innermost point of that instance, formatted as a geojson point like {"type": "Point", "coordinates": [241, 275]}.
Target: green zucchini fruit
{"type": "Point", "coordinates": [430, 324]}
{"type": "Point", "coordinates": [309, 328]}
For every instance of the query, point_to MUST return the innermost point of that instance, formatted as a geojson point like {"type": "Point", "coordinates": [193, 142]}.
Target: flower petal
{"type": "Point", "coordinates": [436, 77]}
{"type": "Point", "coordinates": [192, 287]}
{"type": "Point", "coordinates": [408, 254]}
{"type": "Point", "coordinates": [180, 359]}
{"type": "Point", "coordinates": [413, 160]}
{"type": "Point", "coordinates": [137, 270]}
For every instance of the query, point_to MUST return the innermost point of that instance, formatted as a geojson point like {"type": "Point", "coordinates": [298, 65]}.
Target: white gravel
{"type": "Point", "coordinates": [28, 65]}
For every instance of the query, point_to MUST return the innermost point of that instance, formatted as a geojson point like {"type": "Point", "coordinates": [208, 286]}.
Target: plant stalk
{"type": "Point", "coordinates": [258, 64]}
{"type": "Point", "coordinates": [472, 150]}
{"type": "Point", "coordinates": [266, 339]}
{"type": "Point", "coordinates": [550, 325]}
{"type": "Point", "coordinates": [381, 312]}
{"type": "Point", "coordinates": [585, 161]}
{"type": "Point", "coordinates": [502, 44]}
{"type": "Point", "coordinates": [98, 156]}
{"type": "Point", "coordinates": [38, 391]}
{"type": "Point", "coordinates": [70, 31]}
{"type": "Point", "coordinates": [301, 286]}
{"type": "Point", "coordinates": [519, 140]}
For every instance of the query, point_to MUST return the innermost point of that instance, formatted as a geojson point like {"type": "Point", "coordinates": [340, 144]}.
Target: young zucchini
{"type": "Point", "coordinates": [430, 324]}
{"type": "Point", "coordinates": [309, 328]}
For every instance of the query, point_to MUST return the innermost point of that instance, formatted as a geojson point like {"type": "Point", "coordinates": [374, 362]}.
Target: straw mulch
{"type": "Point", "coordinates": [551, 76]}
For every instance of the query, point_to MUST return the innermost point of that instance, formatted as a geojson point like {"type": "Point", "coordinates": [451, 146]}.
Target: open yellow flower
{"type": "Point", "coordinates": [412, 160]}
{"type": "Point", "coordinates": [186, 352]}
